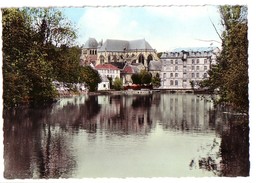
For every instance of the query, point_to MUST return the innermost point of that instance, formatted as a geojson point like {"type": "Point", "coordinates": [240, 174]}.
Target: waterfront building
{"type": "Point", "coordinates": [106, 72]}
{"type": "Point", "coordinates": [183, 66]}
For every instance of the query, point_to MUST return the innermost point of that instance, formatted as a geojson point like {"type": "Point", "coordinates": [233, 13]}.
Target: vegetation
{"type": "Point", "coordinates": [37, 49]}
{"type": "Point", "coordinates": [144, 77]}
{"type": "Point", "coordinates": [118, 84]}
{"type": "Point", "coordinates": [229, 78]}
{"type": "Point", "coordinates": [156, 81]}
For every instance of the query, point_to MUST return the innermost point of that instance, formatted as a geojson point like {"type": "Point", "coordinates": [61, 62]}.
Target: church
{"type": "Point", "coordinates": [112, 50]}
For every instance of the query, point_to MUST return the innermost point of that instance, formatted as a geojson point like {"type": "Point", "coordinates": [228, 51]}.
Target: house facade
{"type": "Point", "coordinates": [183, 66]}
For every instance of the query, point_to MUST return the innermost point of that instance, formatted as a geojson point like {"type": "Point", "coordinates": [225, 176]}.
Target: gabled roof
{"type": "Point", "coordinates": [123, 45]}
{"type": "Point", "coordinates": [106, 67]}
{"type": "Point", "coordinates": [130, 69]}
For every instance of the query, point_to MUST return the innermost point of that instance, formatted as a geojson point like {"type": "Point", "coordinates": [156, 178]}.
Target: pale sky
{"type": "Point", "coordinates": [165, 28]}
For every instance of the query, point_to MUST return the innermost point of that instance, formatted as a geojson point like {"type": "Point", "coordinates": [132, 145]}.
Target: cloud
{"type": "Point", "coordinates": [163, 28]}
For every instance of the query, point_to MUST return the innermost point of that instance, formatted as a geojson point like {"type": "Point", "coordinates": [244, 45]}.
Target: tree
{"type": "Point", "coordinates": [136, 78]}
{"type": "Point", "coordinates": [156, 81]}
{"type": "Point", "coordinates": [90, 76]}
{"type": "Point", "coordinates": [145, 76]}
{"type": "Point", "coordinates": [33, 42]}
{"type": "Point", "coordinates": [229, 78]}
{"type": "Point", "coordinates": [118, 84]}
{"type": "Point", "coordinates": [16, 48]}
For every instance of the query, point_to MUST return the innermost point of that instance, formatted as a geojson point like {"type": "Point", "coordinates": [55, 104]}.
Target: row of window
{"type": "Point", "coordinates": [176, 82]}
{"type": "Point", "coordinates": [93, 52]}
{"type": "Point", "coordinates": [205, 53]}
{"type": "Point", "coordinates": [109, 71]}
{"type": "Point", "coordinates": [184, 75]}
{"type": "Point", "coordinates": [193, 61]}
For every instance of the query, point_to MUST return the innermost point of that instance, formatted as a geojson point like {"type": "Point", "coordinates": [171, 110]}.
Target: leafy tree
{"type": "Point", "coordinates": [118, 84]}
{"type": "Point", "coordinates": [229, 78]}
{"type": "Point", "coordinates": [33, 45]}
{"type": "Point", "coordinates": [136, 78]}
{"type": "Point", "coordinates": [90, 76]}
{"type": "Point", "coordinates": [145, 76]}
{"type": "Point", "coordinates": [156, 81]}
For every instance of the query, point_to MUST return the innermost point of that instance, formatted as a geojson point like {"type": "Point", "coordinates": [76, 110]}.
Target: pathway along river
{"type": "Point", "coordinates": [158, 135]}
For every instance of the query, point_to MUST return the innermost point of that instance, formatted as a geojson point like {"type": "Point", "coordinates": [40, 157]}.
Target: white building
{"type": "Point", "coordinates": [182, 66]}
{"type": "Point", "coordinates": [107, 71]}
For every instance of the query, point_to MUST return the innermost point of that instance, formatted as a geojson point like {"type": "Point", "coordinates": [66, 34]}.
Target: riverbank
{"type": "Point", "coordinates": [130, 92]}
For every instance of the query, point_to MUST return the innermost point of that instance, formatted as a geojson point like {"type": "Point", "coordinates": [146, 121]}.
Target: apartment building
{"type": "Point", "coordinates": [182, 66]}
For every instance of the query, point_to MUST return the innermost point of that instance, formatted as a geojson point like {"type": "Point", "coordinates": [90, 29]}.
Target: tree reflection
{"type": "Point", "coordinates": [234, 147]}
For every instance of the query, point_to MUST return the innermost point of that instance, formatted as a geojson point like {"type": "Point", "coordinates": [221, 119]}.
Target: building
{"type": "Point", "coordinates": [104, 84]}
{"type": "Point", "coordinates": [134, 51]}
{"type": "Point", "coordinates": [89, 52]}
{"type": "Point", "coordinates": [183, 66]}
{"type": "Point", "coordinates": [108, 70]}
{"type": "Point", "coordinates": [155, 67]}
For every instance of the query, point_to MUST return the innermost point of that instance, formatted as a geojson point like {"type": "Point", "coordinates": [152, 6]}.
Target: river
{"type": "Point", "coordinates": [158, 135]}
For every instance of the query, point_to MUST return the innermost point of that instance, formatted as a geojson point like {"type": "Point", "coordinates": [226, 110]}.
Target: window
{"type": "Point", "coordinates": [197, 68]}
{"type": "Point", "coordinates": [197, 61]}
{"type": "Point", "coordinates": [176, 68]}
{"type": "Point", "coordinates": [193, 68]}
{"type": "Point", "coordinates": [171, 82]}
{"type": "Point", "coordinates": [205, 68]}
{"type": "Point", "coordinates": [205, 61]}
{"type": "Point", "coordinates": [164, 75]}
{"type": "Point", "coordinates": [171, 75]}
{"type": "Point", "coordinates": [176, 82]}
{"type": "Point", "coordinates": [176, 61]}
{"type": "Point", "coordinates": [193, 75]}
{"type": "Point", "coordinates": [184, 80]}
{"type": "Point", "coordinates": [205, 75]}
{"type": "Point", "coordinates": [176, 75]}
{"type": "Point", "coordinates": [193, 61]}
{"type": "Point", "coordinates": [197, 75]}
{"type": "Point", "coordinates": [171, 61]}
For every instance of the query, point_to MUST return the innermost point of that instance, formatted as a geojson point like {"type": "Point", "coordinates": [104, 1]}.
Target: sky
{"type": "Point", "coordinates": [165, 28]}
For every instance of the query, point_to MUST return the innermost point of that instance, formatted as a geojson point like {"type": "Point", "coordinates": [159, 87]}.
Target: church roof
{"type": "Point", "coordinates": [123, 45]}
{"type": "Point", "coordinates": [91, 43]}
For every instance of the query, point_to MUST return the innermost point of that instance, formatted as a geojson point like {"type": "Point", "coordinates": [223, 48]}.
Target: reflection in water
{"type": "Point", "coordinates": [120, 136]}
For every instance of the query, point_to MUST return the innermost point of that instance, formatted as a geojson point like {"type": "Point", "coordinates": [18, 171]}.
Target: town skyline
{"type": "Point", "coordinates": [166, 27]}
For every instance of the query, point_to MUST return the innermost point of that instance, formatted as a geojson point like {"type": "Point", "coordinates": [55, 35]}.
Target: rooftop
{"type": "Point", "coordinates": [123, 45]}
{"type": "Point", "coordinates": [106, 67]}
{"type": "Point", "coordinates": [91, 43]}
{"type": "Point", "coordinates": [194, 49]}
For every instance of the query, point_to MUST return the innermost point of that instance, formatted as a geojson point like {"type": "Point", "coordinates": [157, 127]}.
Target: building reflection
{"type": "Point", "coordinates": [38, 142]}
{"type": "Point", "coordinates": [182, 112]}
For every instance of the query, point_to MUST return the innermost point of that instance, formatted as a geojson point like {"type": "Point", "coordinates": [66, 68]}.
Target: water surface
{"type": "Point", "coordinates": [159, 135]}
